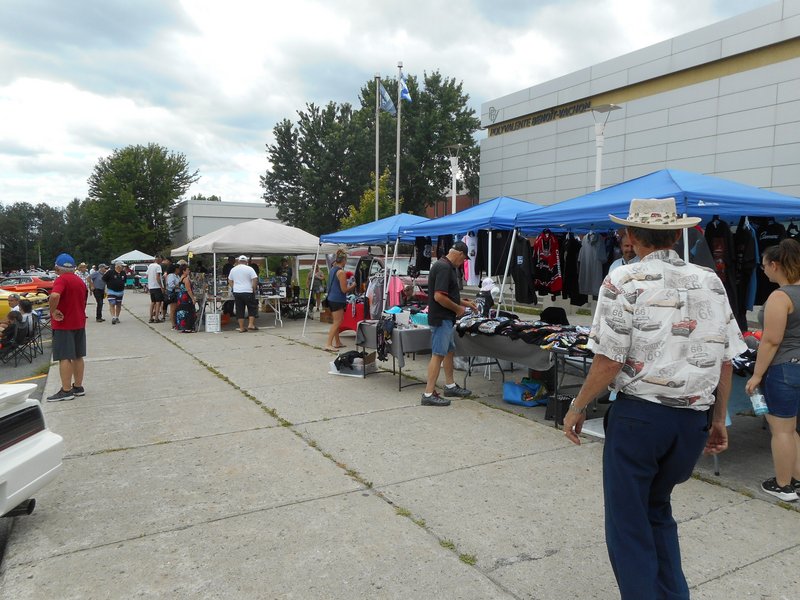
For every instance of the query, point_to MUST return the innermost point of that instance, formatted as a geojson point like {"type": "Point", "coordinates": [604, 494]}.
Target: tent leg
{"type": "Point", "coordinates": [386, 272]}
{"type": "Point", "coordinates": [308, 302]}
{"type": "Point", "coordinates": [489, 266]}
{"type": "Point", "coordinates": [508, 265]}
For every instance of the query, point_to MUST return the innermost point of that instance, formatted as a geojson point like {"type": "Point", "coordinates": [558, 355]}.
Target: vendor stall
{"type": "Point", "coordinates": [403, 341]}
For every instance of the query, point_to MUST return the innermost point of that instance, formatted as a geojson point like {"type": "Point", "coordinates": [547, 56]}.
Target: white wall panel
{"type": "Point", "coordinates": [748, 99]}
{"type": "Point", "coordinates": [692, 130]}
{"type": "Point", "coordinates": [515, 189]}
{"type": "Point", "coordinates": [649, 120]}
{"type": "Point", "coordinates": [789, 90]}
{"type": "Point", "coordinates": [517, 149]}
{"type": "Point", "coordinates": [643, 139]}
{"type": "Point", "coordinates": [514, 176]}
{"type": "Point", "coordinates": [698, 55]}
{"type": "Point", "coordinates": [787, 133]}
{"type": "Point", "coordinates": [538, 186]}
{"type": "Point", "coordinates": [691, 148]}
{"type": "Point", "coordinates": [747, 119]}
{"type": "Point", "coordinates": [757, 78]}
{"type": "Point", "coordinates": [569, 167]}
{"type": "Point", "coordinates": [646, 155]}
{"type": "Point", "coordinates": [574, 136]}
{"type": "Point", "coordinates": [698, 164]}
{"type": "Point", "coordinates": [494, 154]}
{"type": "Point", "coordinates": [744, 159]}
{"type": "Point", "coordinates": [632, 59]}
{"type": "Point", "coordinates": [787, 112]}
{"type": "Point", "coordinates": [757, 177]}
{"type": "Point", "coordinates": [571, 152]}
{"type": "Point", "coordinates": [743, 140]}
{"type": "Point", "coordinates": [693, 112]}
{"type": "Point", "coordinates": [728, 27]}
{"type": "Point", "coordinates": [786, 175]}
{"type": "Point", "coordinates": [787, 154]}
{"type": "Point", "coordinates": [543, 157]}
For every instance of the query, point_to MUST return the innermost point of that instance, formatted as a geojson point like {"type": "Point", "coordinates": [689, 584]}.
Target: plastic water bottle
{"type": "Point", "coordinates": [759, 404]}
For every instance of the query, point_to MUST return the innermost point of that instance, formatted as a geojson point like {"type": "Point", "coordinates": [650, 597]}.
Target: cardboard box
{"type": "Point", "coordinates": [359, 365]}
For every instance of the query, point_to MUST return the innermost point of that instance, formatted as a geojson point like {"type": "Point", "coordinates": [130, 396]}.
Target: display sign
{"type": "Point", "coordinates": [213, 323]}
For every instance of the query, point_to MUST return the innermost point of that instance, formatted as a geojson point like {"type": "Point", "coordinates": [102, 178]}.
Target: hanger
{"type": "Point", "coordinates": [715, 220]}
{"type": "Point", "coordinates": [747, 222]}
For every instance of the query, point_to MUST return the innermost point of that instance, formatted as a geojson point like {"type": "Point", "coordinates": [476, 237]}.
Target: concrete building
{"type": "Point", "coordinates": [723, 100]}
{"type": "Point", "coordinates": [199, 217]}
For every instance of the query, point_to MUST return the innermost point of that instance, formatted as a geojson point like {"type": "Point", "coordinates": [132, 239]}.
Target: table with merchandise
{"type": "Point", "coordinates": [402, 340]}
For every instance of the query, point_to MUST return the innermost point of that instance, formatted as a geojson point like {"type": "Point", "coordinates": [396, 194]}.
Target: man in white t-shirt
{"type": "Point", "coordinates": [243, 282]}
{"type": "Point", "coordinates": [155, 284]}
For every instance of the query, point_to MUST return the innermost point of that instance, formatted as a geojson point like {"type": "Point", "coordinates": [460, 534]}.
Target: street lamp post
{"type": "Point", "coordinates": [454, 150]}
{"type": "Point", "coordinates": [599, 138]}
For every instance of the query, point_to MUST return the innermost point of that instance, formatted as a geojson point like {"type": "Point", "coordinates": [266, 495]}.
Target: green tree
{"type": "Point", "coordinates": [131, 196]}
{"type": "Point", "coordinates": [365, 211]}
{"type": "Point", "coordinates": [18, 234]}
{"type": "Point", "coordinates": [321, 164]}
{"type": "Point", "coordinates": [201, 198]}
{"type": "Point", "coordinates": [50, 238]}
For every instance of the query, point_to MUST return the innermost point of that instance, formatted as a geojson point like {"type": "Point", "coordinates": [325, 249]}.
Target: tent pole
{"type": "Point", "coordinates": [308, 302]}
{"type": "Point", "coordinates": [215, 282]}
{"type": "Point", "coordinates": [508, 265]}
{"type": "Point", "coordinates": [386, 278]}
{"type": "Point", "coordinates": [489, 266]}
{"type": "Point", "coordinates": [686, 256]}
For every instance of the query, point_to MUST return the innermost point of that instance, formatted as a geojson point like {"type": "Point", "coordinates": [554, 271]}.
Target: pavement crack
{"type": "Point", "coordinates": [744, 566]}
{"type": "Point", "coordinates": [520, 558]}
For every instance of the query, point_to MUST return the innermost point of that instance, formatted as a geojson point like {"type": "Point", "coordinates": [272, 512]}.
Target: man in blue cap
{"type": "Point", "coordinates": [68, 320]}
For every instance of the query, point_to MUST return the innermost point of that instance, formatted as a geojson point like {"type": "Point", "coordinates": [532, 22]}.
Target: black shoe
{"type": "Point", "coordinates": [786, 493]}
{"type": "Point", "coordinates": [796, 485]}
{"type": "Point", "coordinates": [434, 400]}
{"type": "Point", "coordinates": [456, 391]}
{"type": "Point", "coordinates": [100, 320]}
{"type": "Point", "coordinates": [77, 390]}
{"type": "Point", "coordinates": [61, 395]}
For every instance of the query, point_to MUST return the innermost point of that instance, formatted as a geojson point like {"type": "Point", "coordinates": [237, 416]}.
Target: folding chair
{"type": "Point", "coordinates": [38, 344]}
{"type": "Point", "coordinates": [20, 346]}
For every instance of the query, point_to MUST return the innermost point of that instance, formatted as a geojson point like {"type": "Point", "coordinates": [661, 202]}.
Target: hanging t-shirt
{"type": "Point", "coordinates": [744, 247]}
{"type": "Point", "coordinates": [422, 253]}
{"type": "Point", "coordinates": [501, 241]}
{"type": "Point", "coordinates": [522, 271]}
{"type": "Point", "coordinates": [590, 269]}
{"type": "Point", "coordinates": [720, 242]}
{"type": "Point", "coordinates": [770, 235]}
{"type": "Point", "coordinates": [472, 277]}
{"type": "Point", "coordinates": [571, 288]}
{"type": "Point", "coordinates": [546, 264]}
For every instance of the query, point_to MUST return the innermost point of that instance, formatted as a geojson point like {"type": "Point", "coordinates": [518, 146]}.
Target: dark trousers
{"type": "Point", "coordinates": [98, 296]}
{"type": "Point", "coordinates": [649, 449]}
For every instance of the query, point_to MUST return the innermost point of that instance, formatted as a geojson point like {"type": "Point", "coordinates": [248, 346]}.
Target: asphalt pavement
{"type": "Point", "coordinates": [233, 465]}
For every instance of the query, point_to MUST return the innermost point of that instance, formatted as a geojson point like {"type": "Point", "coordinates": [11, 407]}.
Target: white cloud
{"type": "Point", "coordinates": [210, 79]}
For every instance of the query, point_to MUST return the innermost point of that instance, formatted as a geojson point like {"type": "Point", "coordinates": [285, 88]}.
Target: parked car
{"type": "Point", "coordinates": [138, 276]}
{"type": "Point", "coordinates": [28, 283]}
{"type": "Point", "coordinates": [38, 300]}
{"type": "Point", "coordinates": [30, 454]}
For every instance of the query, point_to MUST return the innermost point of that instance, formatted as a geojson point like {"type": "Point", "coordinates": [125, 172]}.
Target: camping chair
{"type": "Point", "coordinates": [20, 346]}
{"type": "Point", "coordinates": [38, 344]}
{"type": "Point", "coordinates": [43, 315]}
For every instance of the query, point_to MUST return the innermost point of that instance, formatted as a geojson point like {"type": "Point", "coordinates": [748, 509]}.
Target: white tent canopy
{"type": "Point", "coordinates": [133, 256]}
{"type": "Point", "coordinates": [253, 237]}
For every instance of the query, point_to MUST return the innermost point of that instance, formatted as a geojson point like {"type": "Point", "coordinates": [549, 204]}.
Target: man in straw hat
{"type": "Point", "coordinates": [663, 337]}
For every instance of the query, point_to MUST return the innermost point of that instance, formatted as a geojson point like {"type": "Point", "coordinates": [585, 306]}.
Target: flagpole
{"type": "Point", "coordinates": [377, 135]}
{"type": "Point", "coordinates": [397, 165]}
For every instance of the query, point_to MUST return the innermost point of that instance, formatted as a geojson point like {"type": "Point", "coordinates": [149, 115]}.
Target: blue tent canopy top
{"type": "Point", "coordinates": [497, 213]}
{"type": "Point", "coordinates": [696, 195]}
{"type": "Point", "coordinates": [378, 232]}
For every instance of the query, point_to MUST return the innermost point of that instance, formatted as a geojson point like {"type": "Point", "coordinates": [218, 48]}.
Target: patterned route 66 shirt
{"type": "Point", "coordinates": [670, 325]}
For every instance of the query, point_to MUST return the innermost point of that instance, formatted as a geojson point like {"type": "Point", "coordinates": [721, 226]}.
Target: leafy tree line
{"type": "Point", "coordinates": [322, 166]}
{"type": "Point", "coordinates": [132, 194]}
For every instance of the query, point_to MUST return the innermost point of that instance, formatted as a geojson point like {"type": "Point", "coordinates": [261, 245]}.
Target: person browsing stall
{"type": "Point", "coordinates": [243, 282]}
{"type": "Point", "coordinates": [628, 255]}
{"type": "Point", "coordinates": [338, 288]}
{"type": "Point", "coordinates": [663, 336]}
{"type": "Point", "coordinates": [777, 368]}
{"type": "Point", "coordinates": [444, 307]}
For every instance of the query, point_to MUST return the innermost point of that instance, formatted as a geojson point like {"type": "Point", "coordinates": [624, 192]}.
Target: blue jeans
{"type": "Point", "coordinates": [649, 449]}
{"type": "Point", "coordinates": [782, 389]}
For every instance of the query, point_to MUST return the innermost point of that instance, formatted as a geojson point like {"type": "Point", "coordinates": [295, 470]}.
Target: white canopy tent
{"type": "Point", "coordinates": [133, 256]}
{"type": "Point", "coordinates": [258, 236]}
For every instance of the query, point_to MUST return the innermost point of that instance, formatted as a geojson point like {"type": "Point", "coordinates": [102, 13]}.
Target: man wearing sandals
{"type": "Point", "coordinates": [243, 282]}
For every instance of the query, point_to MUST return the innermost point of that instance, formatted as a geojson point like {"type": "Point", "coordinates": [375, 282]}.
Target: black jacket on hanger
{"type": "Point", "coordinates": [744, 247]}
{"type": "Point", "coordinates": [522, 271]}
{"type": "Point", "coordinates": [720, 242]}
{"type": "Point", "coordinates": [572, 248]}
{"type": "Point", "coordinates": [500, 248]}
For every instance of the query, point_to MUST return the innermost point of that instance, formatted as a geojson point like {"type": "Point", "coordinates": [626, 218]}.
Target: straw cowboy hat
{"type": "Point", "coordinates": [655, 213]}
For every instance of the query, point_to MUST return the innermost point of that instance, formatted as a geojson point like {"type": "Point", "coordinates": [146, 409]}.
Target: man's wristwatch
{"type": "Point", "coordinates": [576, 409]}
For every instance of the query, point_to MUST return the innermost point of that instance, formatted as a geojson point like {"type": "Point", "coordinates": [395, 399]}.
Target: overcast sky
{"type": "Point", "coordinates": [211, 78]}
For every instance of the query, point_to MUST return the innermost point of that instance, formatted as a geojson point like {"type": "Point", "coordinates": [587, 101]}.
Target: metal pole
{"type": "Point", "coordinates": [397, 165]}
{"type": "Point", "coordinates": [377, 136]}
{"type": "Point", "coordinates": [599, 129]}
{"type": "Point", "coordinates": [508, 267]}
{"type": "Point", "coordinates": [453, 169]}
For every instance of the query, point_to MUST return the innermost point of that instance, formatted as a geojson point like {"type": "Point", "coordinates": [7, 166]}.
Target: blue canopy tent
{"type": "Point", "coordinates": [377, 232]}
{"type": "Point", "coordinates": [696, 195]}
{"type": "Point", "coordinates": [497, 213]}
{"type": "Point", "coordinates": [382, 231]}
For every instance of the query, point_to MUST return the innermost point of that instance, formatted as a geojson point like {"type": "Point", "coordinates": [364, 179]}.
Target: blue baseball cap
{"type": "Point", "coordinates": [65, 261]}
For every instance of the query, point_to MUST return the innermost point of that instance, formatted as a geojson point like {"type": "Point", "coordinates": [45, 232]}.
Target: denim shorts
{"type": "Point", "coordinates": [782, 389]}
{"type": "Point", "coordinates": [442, 341]}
